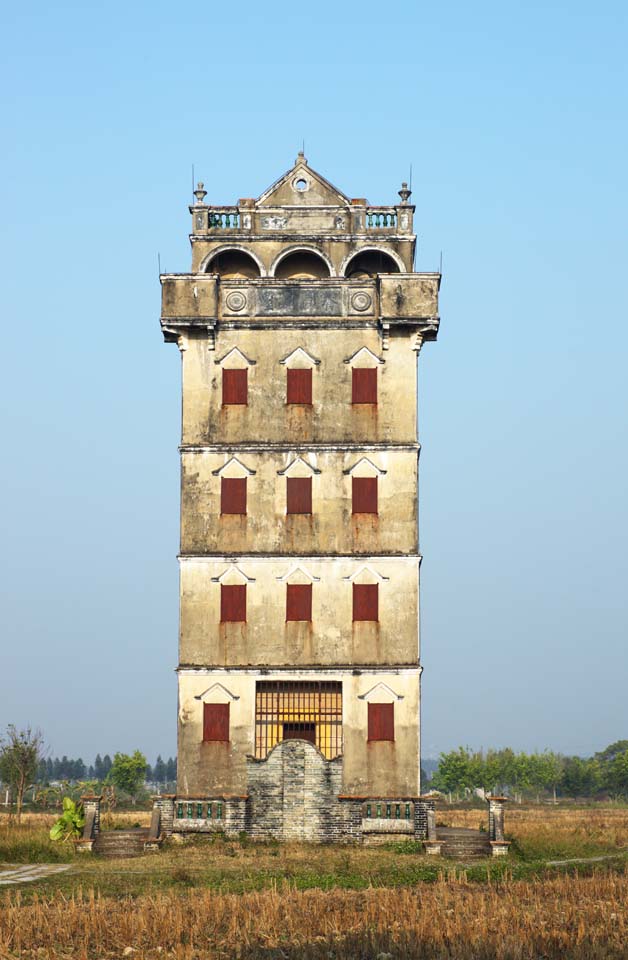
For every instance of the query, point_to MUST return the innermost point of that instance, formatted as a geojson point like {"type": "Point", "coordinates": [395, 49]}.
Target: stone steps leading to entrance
{"type": "Point", "coordinates": [121, 843]}
{"type": "Point", "coordinates": [461, 843]}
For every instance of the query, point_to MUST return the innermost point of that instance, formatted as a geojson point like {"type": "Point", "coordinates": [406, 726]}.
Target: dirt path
{"type": "Point", "coordinates": [27, 872]}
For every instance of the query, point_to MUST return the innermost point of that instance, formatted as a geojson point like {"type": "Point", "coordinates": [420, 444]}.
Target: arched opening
{"type": "Point", "coordinates": [302, 265]}
{"type": "Point", "coordinates": [369, 264]}
{"type": "Point", "coordinates": [234, 265]}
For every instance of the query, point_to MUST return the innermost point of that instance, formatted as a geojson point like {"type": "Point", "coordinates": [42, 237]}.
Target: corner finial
{"type": "Point", "coordinates": [404, 193]}
{"type": "Point", "coordinates": [200, 193]}
{"type": "Point", "coordinates": [301, 156]}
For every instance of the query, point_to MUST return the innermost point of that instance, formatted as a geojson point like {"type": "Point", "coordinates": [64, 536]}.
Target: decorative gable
{"type": "Point", "coordinates": [235, 360]}
{"type": "Point", "coordinates": [364, 358]}
{"type": "Point", "coordinates": [364, 468]}
{"type": "Point", "coordinates": [298, 468]}
{"type": "Point", "coordinates": [380, 693]}
{"type": "Point", "coordinates": [302, 186]}
{"type": "Point", "coordinates": [300, 359]}
{"type": "Point", "coordinates": [366, 574]}
{"type": "Point", "coordinates": [231, 576]}
{"type": "Point", "coordinates": [233, 468]}
{"type": "Point", "coordinates": [217, 693]}
{"type": "Point", "coordinates": [298, 574]}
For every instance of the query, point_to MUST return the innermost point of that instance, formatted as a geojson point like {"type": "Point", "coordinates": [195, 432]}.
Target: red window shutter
{"type": "Point", "coordinates": [299, 601]}
{"type": "Point", "coordinates": [299, 495]}
{"type": "Point", "coordinates": [364, 491]}
{"type": "Point", "coordinates": [233, 495]}
{"type": "Point", "coordinates": [299, 386]}
{"type": "Point", "coordinates": [215, 721]}
{"type": "Point", "coordinates": [232, 603]}
{"type": "Point", "coordinates": [364, 385]}
{"type": "Point", "coordinates": [381, 721]}
{"type": "Point", "coordinates": [365, 601]}
{"type": "Point", "coordinates": [234, 386]}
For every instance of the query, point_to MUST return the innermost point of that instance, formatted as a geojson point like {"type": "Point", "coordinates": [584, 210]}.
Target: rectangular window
{"type": "Point", "coordinates": [234, 387]}
{"type": "Point", "coordinates": [364, 490]}
{"type": "Point", "coordinates": [304, 710]}
{"type": "Point", "coordinates": [233, 495]}
{"type": "Point", "coordinates": [299, 601]}
{"type": "Point", "coordinates": [232, 603]}
{"type": "Point", "coordinates": [363, 385]}
{"type": "Point", "coordinates": [299, 495]}
{"type": "Point", "coordinates": [381, 723]}
{"type": "Point", "coordinates": [299, 386]}
{"type": "Point", "coordinates": [365, 601]}
{"type": "Point", "coordinates": [215, 722]}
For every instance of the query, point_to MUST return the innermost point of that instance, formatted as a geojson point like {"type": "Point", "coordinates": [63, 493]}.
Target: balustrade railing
{"type": "Point", "coordinates": [227, 218]}
{"type": "Point", "coordinates": [377, 218]}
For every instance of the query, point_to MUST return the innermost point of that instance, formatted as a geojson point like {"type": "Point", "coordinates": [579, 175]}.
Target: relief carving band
{"type": "Point", "coordinates": [299, 302]}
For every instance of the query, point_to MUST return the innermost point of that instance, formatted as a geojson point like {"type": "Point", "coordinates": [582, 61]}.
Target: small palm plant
{"type": "Point", "coordinates": [71, 822]}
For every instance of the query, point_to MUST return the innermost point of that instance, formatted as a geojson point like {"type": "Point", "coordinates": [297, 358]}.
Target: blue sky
{"type": "Point", "coordinates": [513, 118]}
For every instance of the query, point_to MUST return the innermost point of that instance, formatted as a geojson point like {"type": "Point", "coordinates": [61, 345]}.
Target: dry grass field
{"type": "Point", "coordinates": [272, 902]}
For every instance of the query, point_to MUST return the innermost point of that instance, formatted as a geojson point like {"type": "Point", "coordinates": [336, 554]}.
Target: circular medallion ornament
{"type": "Point", "coordinates": [235, 300]}
{"type": "Point", "coordinates": [361, 301]}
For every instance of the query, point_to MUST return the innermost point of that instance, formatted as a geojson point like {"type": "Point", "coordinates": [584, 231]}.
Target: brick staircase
{"type": "Point", "coordinates": [461, 843]}
{"type": "Point", "coordinates": [121, 843]}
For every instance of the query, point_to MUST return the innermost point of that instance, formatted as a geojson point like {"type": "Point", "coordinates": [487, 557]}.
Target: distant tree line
{"type": "Point", "coordinates": [521, 774]}
{"type": "Point", "coordinates": [54, 769]}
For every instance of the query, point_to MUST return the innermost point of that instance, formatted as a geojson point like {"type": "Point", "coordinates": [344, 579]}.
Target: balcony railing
{"type": "Point", "coordinates": [224, 218]}
{"type": "Point", "coordinates": [378, 218]}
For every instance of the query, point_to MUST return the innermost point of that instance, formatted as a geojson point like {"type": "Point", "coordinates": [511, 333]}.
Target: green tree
{"type": "Point", "coordinates": [617, 774]}
{"type": "Point", "coordinates": [20, 754]}
{"type": "Point", "coordinates": [581, 778]}
{"type": "Point", "coordinates": [454, 771]}
{"type": "Point", "coordinates": [128, 772]}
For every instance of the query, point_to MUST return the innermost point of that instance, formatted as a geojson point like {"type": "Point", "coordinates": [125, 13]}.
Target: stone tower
{"type": "Point", "coordinates": [299, 328]}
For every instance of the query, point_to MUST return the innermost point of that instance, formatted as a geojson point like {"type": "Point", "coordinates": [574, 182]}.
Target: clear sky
{"type": "Point", "coordinates": [513, 115]}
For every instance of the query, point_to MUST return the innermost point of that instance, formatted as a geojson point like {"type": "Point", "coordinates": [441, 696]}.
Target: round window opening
{"type": "Point", "coordinates": [301, 184]}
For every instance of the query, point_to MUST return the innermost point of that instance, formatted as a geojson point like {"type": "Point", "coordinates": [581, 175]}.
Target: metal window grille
{"type": "Point", "coordinates": [289, 709]}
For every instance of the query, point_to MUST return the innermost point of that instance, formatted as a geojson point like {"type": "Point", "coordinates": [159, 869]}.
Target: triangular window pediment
{"type": "Point", "coordinates": [235, 360]}
{"type": "Point", "coordinates": [364, 358]}
{"type": "Point", "coordinates": [232, 575]}
{"type": "Point", "coordinates": [365, 468]}
{"type": "Point", "coordinates": [217, 693]}
{"type": "Point", "coordinates": [380, 693]}
{"type": "Point", "coordinates": [300, 359]}
{"type": "Point", "coordinates": [366, 574]}
{"type": "Point", "coordinates": [298, 468]}
{"type": "Point", "coordinates": [233, 468]}
{"type": "Point", "coordinates": [298, 574]}
{"type": "Point", "coordinates": [302, 186]}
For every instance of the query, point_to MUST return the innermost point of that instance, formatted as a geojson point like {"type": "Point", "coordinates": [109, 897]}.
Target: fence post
{"type": "Point", "coordinates": [496, 835]}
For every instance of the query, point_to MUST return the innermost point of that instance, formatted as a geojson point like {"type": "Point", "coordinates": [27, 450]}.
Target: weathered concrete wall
{"type": "Point", "coordinates": [267, 417]}
{"type": "Point", "coordinates": [331, 638]}
{"type": "Point", "coordinates": [369, 768]}
{"type": "Point", "coordinates": [330, 528]}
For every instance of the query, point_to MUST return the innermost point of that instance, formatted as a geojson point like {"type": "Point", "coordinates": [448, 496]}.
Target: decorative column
{"type": "Point", "coordinates": [91, 828]}
{"type": "Point", "coordinates": [426, 825]}
{"type": "Point", "coordinates": [499, 844]}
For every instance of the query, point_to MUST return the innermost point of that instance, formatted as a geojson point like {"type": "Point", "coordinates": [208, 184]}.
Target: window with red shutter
{"type": "Point", "coordinates": [215, 721]}
{"type": "Point", "coordinates": [234, 387]}
{"type": "Point", "coordinates": [232, 603]}
{"type": "Point", "coordinates": [365, 601]}
{"type": "Point", "coordinates": [299, 495]}
{"type": "Point", "coordinates": [299, 386]}
{"type": "Point", "coordinates": [364, 495]}
{"type": "Point", "coordinates": [381, 724]}
{"type": "Point", "coordinates": [299, 601]}
{"type": "Point", "coordinates": [363, 385]}
{"type": "Point", "coordinates": [233, 495]}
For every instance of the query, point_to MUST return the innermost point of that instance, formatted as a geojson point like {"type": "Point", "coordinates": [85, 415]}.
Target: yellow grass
{"type": "Point", "coordinates": [176, 903]}
{"type": "Point", "coordinates": [561, 918]}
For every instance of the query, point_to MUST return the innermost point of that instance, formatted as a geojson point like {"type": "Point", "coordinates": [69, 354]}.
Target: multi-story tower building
{"type": "Point", "coordinates": [300, 327]}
